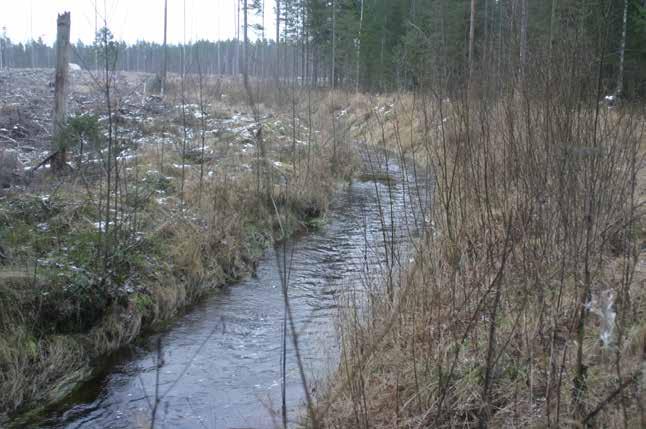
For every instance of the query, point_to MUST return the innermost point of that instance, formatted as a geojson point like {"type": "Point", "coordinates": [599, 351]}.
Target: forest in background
{"type": "Point", "coordinates": [386, 45]}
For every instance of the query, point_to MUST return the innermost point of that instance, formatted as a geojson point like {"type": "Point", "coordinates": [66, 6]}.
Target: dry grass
{"type": "Point", "coordinates": [500, 317]}
{"type": "Point", "coordinates": [182, 231]}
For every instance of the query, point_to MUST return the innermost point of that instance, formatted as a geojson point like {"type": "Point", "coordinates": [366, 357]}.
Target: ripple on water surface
{"type": "Point", "coordinates": [227, 351]}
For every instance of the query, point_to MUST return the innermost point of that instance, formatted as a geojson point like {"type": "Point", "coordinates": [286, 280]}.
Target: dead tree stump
{"type": "Point", "coordinates": [60, 89]}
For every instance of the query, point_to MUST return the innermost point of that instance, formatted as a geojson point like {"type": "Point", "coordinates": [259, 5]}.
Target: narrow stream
{"type": "Point", "coordinates": [222, 361]}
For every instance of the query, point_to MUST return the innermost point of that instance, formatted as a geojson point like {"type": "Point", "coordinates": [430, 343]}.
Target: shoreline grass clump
{"type": "Point", "coordinates": [523, 304]}
{"type": "Point", "coordinates": [153, 213]}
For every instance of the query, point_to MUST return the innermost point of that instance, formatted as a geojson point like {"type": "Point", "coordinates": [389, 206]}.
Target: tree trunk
{"type": "Point", "coordinates": [277, 42]}
{"type": "Point", "coordinates": [315, 66]}
{"type": "Point", "coordinates": [60, 89]}
{"type": "Point", "coordinates": [332, 82]}
{"type": "Point", "coordinates": [552, 24]}
{"type": "Point", "coordinates": [304, 50]}
{"type": "Point", "coordinates": [31, 34]}
{"type": "Point", "coordinates": [523, 38]}
{"type": "Point", "coordinates": [622, 51]}
{"type": "Point", "coordinates": [245, 46]}
{"type": "Point", "coordinates": [96, 31]}
{"type": "Point", "coordinates": [165, 66]}
{"type": "Point", "coordinates": [184, 47]}
{"type": "Point", "coordinates": [359, 47]}
{"type": "Point", "coordinates": [472, 33]}
{"type": "Point", "coordinates": [219, 65]}
{"type": "Point", "coordinates": [486, 50]}
{"type": "Point", "coordinates": [236, 60]}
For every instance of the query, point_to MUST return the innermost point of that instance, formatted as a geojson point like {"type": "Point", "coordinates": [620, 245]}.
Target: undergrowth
{"type": "Point", "coordinates": [187, 214]}
{"type": "Point", "coordinates": [523, 304]}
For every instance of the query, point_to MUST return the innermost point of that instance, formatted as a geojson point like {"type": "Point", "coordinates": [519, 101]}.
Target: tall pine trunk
{"type": "Point", "coordinates": [472, 33]}
{"type": "Point", "coordinates": [277, 42]}
{"type": "Point", "coordinates": [359, 47]}
{"type": "Point", "coordinates": [333, 70]}
{"type": "Point", "coordinates": [523, 38]}
{"type": "Point", "coordinates": [245, 46]}
{"type": "Point", "coordinates": [622, 51]}
{"type": "Point", "coordinates": [165, 66]}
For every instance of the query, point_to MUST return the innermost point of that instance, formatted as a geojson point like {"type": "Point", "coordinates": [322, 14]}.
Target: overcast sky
{"type": "Point", "coordinates": [129, 20]}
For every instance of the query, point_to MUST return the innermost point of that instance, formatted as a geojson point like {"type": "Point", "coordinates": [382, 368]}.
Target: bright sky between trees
{"type": "Point", "coordinates": [129, 20]}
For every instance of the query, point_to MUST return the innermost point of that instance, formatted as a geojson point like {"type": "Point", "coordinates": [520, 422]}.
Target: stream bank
{"type": "Point", "coordinates": [222, 360]}
{"type": "Point", "coordinates": [80, 278]}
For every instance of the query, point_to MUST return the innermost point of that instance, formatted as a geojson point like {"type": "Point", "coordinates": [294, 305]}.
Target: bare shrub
{"type": "Point", "coordinates": [521, 306]}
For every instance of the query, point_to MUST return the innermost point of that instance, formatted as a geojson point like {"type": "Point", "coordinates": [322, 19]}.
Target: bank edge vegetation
{"type": "Point", "coordinates": [523, 304]}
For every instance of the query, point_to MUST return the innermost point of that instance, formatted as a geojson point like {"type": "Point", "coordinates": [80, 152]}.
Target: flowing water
{"type": "Point", "coordinates": [221, 362]}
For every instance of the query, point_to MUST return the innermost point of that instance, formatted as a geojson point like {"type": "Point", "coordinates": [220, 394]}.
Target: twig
{"type": "Point", "coordinates": [189, 363]}
{"type": "Point", "coordinates": [9, 139]}
{"type": "Point", "coordinates": [43, 162]}
{"type": "Point", "coordinates": [630, 380]}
